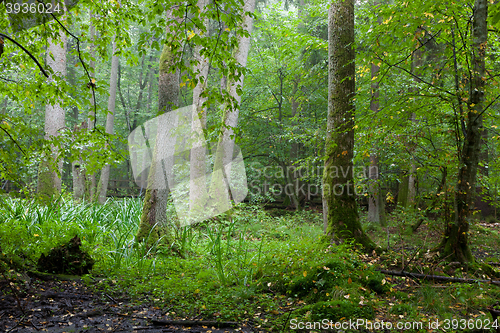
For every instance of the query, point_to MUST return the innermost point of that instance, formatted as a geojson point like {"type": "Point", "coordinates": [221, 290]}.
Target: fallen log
{"type": "Point", "coordinates": [218, 324]}
{"type": "Point", "coordinates": [436, 277]}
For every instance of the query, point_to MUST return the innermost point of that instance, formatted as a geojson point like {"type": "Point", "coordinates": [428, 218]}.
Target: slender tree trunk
{"type": "Point", "coordinates": [110, 118]}
{"type": "Point", "coordinates": [418, 59]}
{"type": "Point", "coordinates": [225, 147]}
{"type": "Point", "coordinates": [77, 172]}
{"type": "Point", "coordinates": [407, 190]}
{"type": "Point", "coordinates": [338, 181]}
{"type": "Point", "coordinates": [374, 200]}
{"type": "Point", "coordinates": [455, 244]}
{"type": "Point", "coordinates": [296, 197]}
{"type": "Point", "coordinates": [294, 151]}
{"type": "Point", "coordinates": [231, 114]}
{"type": "Point", "coordinates": [90, 179]}
{"type": "Point", "coordinates": [49, 181]}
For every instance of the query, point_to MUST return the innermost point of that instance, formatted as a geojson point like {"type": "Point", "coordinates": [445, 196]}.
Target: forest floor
{"type": "Point", "coordinates": [60, 306]}
{"type": "Point", "coordinates": [255, 271]}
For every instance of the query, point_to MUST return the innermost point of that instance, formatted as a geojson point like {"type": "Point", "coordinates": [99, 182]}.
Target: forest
{"type": "Point", "coordinates": [249, 166]}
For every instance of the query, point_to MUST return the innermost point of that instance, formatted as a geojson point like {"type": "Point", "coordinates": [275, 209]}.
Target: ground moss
{"type": "Point", "coordinates": [336, 311]}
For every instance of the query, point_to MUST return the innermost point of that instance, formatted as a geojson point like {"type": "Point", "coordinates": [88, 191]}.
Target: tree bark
{"type": "Point", "coordinates": [90, 179]}
{"type": "Point", "coordinates": [110, 118]}
{"type": "Point", "coordinates": [231, 113]}
{"type": "Point", "coordinates": [197, 183]}
{"type": "Point", "coordinates": [338, 181]}
{"type": "Point", "coordinates": [155, 200]}
{"type": "Point", "coordinates": [225, 146]}
{"type": "Point", "coordinates": [49, 181]}
{"type": "Point", "coordinates": [455, 243]}
{"type": "Point", "coordinates": [375, 196]}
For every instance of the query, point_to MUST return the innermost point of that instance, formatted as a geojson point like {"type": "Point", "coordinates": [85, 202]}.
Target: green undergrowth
{"type": "Point", "coordinates": [248, 265]}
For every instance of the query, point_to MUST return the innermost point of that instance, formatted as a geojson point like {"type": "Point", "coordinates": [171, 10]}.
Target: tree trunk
{"type": "Point", "coordinates": [292, 177]}
{"type": "Point", "coordinates": [225, 146]}
{"type": "Point", "coordinates": [197, 183]}
{"type": "Point", "coordinates": [338, 181]}
{"type": "Point", "coordinates": [418, 58]}
{"type": "Point", "coordinates": [374, 211]}
{"type": "Point", "coordinates": [90, 179]}
{"type": "Point", "coordinates": [110, 118]}
{"type": "Point", "coordinates": [155, 200]}
{"type": "Point", "coordinates": [231, 114]}
{"type": "Point", "coordinates": [49, 181]}
{"type": "Point", "coordinates": [455, 244]}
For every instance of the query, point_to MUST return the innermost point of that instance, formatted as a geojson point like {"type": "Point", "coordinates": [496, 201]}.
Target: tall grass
{"type": "Point", "coordinates": [231, 248]}
{"type": "Point", "coordinates": [107, 231]}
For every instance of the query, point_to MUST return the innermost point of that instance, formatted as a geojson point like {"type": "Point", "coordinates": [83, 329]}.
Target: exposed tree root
{"type": "Point", "coordinates": [436, 277]}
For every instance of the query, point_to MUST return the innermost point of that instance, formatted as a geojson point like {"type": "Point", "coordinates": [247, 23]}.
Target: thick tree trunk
{"type": "Point", "coordinates": [197, 183]}
{"type": "Point", "coordinates": [338, 181]}
{"type": "Point", "coordinates": [456, 240]}
{"type": "Point", "coordinates": [49, 182]}
{"type": "Point", "coordinates": [110, 119]}
{"type": "Point", "coordinates": [154, 223]}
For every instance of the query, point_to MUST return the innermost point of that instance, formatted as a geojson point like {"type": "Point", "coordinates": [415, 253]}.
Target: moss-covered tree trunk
{"type": "Point", "coordinates": [154, 212]}
{"type": "Point", "coordinates": [49, 180]}
{"type": "Point", "coordinates": [338, 181]}
{"type": "Point", "coordinates": [198, 194]}
{"type": "Point", "coordinates": [455, 245]}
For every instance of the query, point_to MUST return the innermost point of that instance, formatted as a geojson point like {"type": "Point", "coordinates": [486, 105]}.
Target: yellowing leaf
{"type": "Point", "coordinates": [36, 235]}
{"type": "Point", "coordinates": [305, 273]}
{"type": "Point", "coordinates": [349, 280]}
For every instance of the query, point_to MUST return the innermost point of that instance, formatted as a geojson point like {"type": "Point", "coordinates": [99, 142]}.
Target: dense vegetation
{"type": "Point", "coordinates": [368, 132]}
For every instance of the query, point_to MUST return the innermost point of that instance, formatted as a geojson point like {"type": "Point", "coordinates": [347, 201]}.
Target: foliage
{"type": "Point", "coordinates": [250, 264]}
